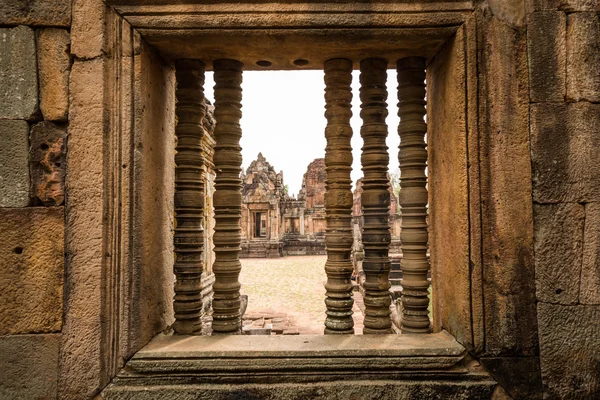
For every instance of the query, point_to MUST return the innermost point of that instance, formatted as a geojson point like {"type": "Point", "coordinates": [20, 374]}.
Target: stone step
{"type": "Point", "coordinates": [334, 390]}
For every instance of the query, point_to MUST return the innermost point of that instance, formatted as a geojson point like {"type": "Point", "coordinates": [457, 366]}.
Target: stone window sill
{"type": "Point", "coordinates": [298, 359]}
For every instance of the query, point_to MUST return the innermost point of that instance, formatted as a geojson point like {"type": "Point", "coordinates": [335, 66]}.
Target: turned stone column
{"type": "Point", "coordinates": [376, 236]}
{"type": "Point", "coordinates": [227, 197]}
{"type": "Point", "coordinates": [413, 194]}
{"type": "Point", "coordinates": [338, 197]}
{"type": "Point", "coordinates": [189, 196]}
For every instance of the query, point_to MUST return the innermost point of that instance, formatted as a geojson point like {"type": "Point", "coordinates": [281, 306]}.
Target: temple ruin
{"type": "Point", "coordinates": [121, 203]}
{"type": "Point", "coordinates": [274, 223]}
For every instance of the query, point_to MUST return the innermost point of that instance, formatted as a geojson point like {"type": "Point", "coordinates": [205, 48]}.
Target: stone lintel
{"type": "Point", "coordinates": [286, 31]}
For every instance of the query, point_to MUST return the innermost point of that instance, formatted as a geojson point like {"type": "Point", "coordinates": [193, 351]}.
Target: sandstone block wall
{"type": "Point", "coordinates": [119, 210]}
{"type": "Point", "coordinates": [80, 294]}
{"type": "Point", "coordinates": [563, 42]}
{"type": "Point", "coordinates": [35, 63]}
{"type": "Point", "coordinates": [529, 276]}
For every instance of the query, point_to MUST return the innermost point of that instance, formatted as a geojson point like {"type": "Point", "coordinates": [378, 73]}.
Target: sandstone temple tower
{"type": "Point", "coordinates": [274, 223]}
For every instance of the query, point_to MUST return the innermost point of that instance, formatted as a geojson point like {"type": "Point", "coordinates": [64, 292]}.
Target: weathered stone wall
{"type": "Point", "coordinates": [81, 293]}
{"type": "Point", "coordinates": [119, 210]}
{"type": "Point", "coordinates": [518, 122]}
{"type": "Point", "coordinates": [563, 47]}
{"type": "Point", "coordinates": [481, 209]}
{"type": "Point", "coordinates": [34, 73]}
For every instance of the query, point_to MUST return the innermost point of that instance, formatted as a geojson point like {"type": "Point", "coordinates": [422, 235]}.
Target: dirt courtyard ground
{"type": "Point", "coordinates": [291, 285]}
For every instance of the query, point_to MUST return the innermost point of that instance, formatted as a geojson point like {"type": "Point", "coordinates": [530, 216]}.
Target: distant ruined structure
{"type": "Point", "coordinates": [275, 224]}
{"type": "Point", "coordinates": [305, 217]}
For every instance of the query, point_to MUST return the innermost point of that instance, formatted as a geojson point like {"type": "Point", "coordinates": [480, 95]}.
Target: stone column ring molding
{"type": "Point", "coordinates": [189, 196]}
{"type": "Point", "coordinates": [413, 195]}
{"type": "Point", "coordinates": [338, 197]}
{"type": "Point", "coordinates": [227, 196]}
{"type": "Point", "coordinates": [376, 235]}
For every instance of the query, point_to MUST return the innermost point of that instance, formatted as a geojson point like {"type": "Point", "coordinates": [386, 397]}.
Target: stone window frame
{"type": "Point", "coordinates": [429, 28]}
{"type": "Point", "coordinates": [460, 279]}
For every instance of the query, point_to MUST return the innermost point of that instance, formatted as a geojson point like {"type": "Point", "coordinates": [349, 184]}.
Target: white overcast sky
{"type": "Point", "coordinates": [283, 117]}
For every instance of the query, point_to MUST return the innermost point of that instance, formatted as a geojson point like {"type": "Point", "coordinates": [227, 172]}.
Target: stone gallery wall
{"type": "Point", "coordinates": [563, 48]}
{"type": "Point", "coordinates": [34, 77]}
{"type": "Point", "coordinates": [80, 91]}
{"type": "Point", "coordinates": [514, 183]}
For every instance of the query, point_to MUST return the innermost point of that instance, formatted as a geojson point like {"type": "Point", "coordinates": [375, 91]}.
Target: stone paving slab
{"type": "Point", "coordinates": [290, 288]}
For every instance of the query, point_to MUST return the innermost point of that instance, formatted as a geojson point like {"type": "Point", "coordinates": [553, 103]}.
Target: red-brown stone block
{"type": "Point", "coordinates": [558, 240]}
{"type": "Point", "coordinates": [546, 50]}
{"type": "Point", "coordinates": [88, 29]}
{"type": "Point", "coordinates": [29, 366]}
{"type": "Point", "coordinates": [35, 12]}
{"type": "Point", "coordinates": [563, 5]}
{"type": "Point", "coordinates": [53, 47]}
{"type": "Point", "coordinates": [31, 278]}
{"type": "Point", "coordinates": [565, 149]}
{"type": "Point", "coordinates": [590, 268]}
{"type": "Point", "coordinates": [583, 56]}
{"type": "Point", "coordinates": [569, 350]}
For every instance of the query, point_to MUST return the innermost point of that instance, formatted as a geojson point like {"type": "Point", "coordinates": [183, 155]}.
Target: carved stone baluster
{"type": "Point", "coordinates": [189, 196]}
{"type": "Point", "coordinates": [376, 235]}
{"type": "Point", "coordinates": [338, 196]}
{"type": "Point", "coordinates": [227, 197]}
{"type": "Point", "coordinates": [413, 194]}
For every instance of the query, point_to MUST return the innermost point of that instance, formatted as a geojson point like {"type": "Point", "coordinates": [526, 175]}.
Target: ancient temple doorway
{"type": "Point", "coordinates": [260, 224]}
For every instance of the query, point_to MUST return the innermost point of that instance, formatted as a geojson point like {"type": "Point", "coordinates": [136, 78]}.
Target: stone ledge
{"type": "Point", "coordinates": [239, 347]}
{"type": "Point", "coordinates": [169, 360]}
{"type": "Point", "coordinates": [301, 367]}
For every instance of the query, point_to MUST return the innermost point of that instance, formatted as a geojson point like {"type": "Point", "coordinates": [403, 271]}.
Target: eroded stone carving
{"type": "Point", "coordinates": [413, 194]}
{"type": "Point", "coordinates": [376, 196]}
{"type": "Point", "coordinates": [228, 196]}
{"type": "Point", "coordinates": [47, 166]}
{"type": "Point", "coordinates": [338, 196]}
{"type": "Point", "coordinates": [189, 196]}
